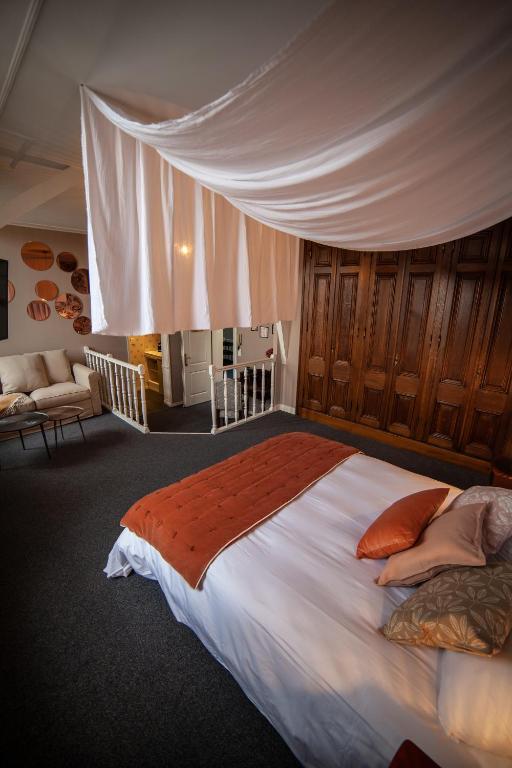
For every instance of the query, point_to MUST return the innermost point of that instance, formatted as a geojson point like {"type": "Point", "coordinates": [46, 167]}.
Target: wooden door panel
{"type": "Point", "coordinates": [489, 410]}
{"type": "Point", "coordinates": [468, 294]}
{"type": "Point", "coordinates": [385, 281]}
{"type": "Point", "coordinates": [383, 302]}
{"type": "Point", "coordinates": [316, 362]}
{"type": "Point", "coordinates": [345, 360]}
{"type": "Point", "coordinates": [445, 423]}
{"type": "Point", "coordinates": [411, 359]}
{"type": "Point", "coordinates": [461, 327]}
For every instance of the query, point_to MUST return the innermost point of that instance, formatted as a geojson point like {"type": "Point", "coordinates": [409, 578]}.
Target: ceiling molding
{"type": "Point", "coordinates": [19, 50]}
{"type": "Point", "coordinates": [52, 227]}
{"type": "Point", "coordinates": [24, 202]}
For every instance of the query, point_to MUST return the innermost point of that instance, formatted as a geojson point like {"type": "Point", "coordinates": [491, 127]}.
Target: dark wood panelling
{"type": "Point", "coordinates": [416, 343]}
{"type": "Point", "coordinates": [468, 290]}
{"type": "Point", "coordinates": [385, 280]}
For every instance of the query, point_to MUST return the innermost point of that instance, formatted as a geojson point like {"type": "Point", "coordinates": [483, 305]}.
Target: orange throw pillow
{"type": "Point", "coordinates": [401, 524]}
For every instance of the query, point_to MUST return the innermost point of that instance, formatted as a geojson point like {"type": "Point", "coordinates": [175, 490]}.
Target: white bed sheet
{"type": "Point", "coordinates": [294, 616]}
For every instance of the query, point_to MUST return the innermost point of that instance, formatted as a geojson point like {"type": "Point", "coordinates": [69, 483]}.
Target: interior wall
{"type": "Point", "coordinates": [287, 374]}
{"type": "Point", "coordinates": [27, 335]}
{"type": "Point", "coordinates": [137, 345]}
{"type": "Point", "coordinates": [253, 347]}
{"type": "Point", "coordinates": [176, 362]}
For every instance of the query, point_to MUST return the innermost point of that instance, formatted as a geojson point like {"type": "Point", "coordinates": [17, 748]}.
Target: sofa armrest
{"type": "Point", "coordinates": [90, 379]}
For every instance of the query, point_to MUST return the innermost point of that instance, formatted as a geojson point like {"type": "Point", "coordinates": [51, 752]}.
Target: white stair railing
{"type": "Point", "coordinates": [245, 395]}
{"type": "Point", "coordinates": [122, 387]}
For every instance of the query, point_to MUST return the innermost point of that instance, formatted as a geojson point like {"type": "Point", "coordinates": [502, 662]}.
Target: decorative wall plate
{"type": "Point", "coordinates": [11, 291]}
{"type": "Point", "coordinates": [46, 289]}
{"type": "Point", "coordinates": [37, 255]}
{"type": "Point", "coordinates": [68, 306]}
{"type": "Point", "coordinates": [80, 280]}
{"type": "Point", "coordinates": [82, 325]}
{"type": "Point", "coordinates": [67, 261]}
{"type": "Point", "coordinates": [38, 310]}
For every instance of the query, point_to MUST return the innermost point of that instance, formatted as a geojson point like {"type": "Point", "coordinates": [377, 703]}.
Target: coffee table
{"type": "Point", "coordinates": [21, 421]}
{"type": "Point", "coordinates": [62, 413]}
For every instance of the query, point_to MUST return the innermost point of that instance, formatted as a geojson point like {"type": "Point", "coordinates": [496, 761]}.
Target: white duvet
{"type": "Point", "coordinates": [294, 616]}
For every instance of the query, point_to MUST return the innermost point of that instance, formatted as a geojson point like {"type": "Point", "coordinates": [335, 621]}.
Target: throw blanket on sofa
{"type": "Point", "coordinates": [9, 403]}
{"type": "Point", "coordinates": [192, 521]}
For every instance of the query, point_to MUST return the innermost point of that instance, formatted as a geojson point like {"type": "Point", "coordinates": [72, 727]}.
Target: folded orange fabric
{"type": "Point", "coordinates": [401, 524]}
{"type": "Point", "coordinates": [192, 521]}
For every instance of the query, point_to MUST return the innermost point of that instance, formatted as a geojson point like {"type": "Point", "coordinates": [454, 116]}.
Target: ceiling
{"type": "Point", "coordinates": [178, 55]}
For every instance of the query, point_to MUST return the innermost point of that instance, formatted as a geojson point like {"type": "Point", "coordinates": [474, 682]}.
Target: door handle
{"type": "Point", "coordinates": [186, 359]}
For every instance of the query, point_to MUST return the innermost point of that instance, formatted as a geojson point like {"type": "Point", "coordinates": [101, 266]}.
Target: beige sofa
{"type": "Point", "coordinates": [45, 380]}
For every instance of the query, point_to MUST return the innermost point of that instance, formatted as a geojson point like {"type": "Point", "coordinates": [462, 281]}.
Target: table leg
{"type": "Point", "coordinates": [45, 441]}
{"type": "Point", "coordinates": [21, 438]}
{"type": "Point", "coordinates": [61, 430]}
{"type": "Point", "coordinates": [55, 431]}
{"type": "Point", "coordinates": [81, 428]}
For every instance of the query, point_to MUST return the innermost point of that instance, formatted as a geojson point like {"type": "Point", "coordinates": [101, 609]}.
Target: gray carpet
{"type": "Point", "coordinates": [195, 418]}
{"type": "Point", "coordinates": [97, 672]}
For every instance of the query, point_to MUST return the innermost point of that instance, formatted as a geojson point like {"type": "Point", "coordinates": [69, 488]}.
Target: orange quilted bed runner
{"type": "Point", "coordinates": [190, 522]}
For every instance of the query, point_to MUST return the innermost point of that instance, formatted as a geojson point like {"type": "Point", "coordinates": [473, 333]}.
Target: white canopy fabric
{"type": "Point", "coordinates": [385, 125]}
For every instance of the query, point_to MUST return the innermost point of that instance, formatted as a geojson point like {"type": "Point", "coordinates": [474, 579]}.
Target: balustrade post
{"type": "Point", "coordinates": [142, 375]}
{"type": "Point", "coordinates": [129, 392]}
{"type": "Point", "coordinates": [118, 389]}
{"type": "Point", "coordinates": [235, 381]}
{"type": "Point", "coordinates": [211, 370]}
{"type": "Point", "coordinates": [254, 385]}
{"type": "Point", "coordinates": [272, 379]}
{"type": "Point", "coordinates": [135, 398]}
{"type": "Point", "coordinates": [262, 387]}
{"type": "Point", "coordinates": [123, 390]}
{"type": "Point", "coordinates": [111, 381]}
{"type": "Point", "coordinates": [226, 398]}
{"type": "Point", "coordinates": [246, 403]}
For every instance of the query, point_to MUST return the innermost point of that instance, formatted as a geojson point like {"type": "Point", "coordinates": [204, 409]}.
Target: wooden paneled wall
{"type": "Point", "coordinates": [413, 347]}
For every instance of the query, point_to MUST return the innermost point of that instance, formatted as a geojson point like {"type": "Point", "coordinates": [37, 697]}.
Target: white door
{"type": "Point", "coordinates": [197, 356]}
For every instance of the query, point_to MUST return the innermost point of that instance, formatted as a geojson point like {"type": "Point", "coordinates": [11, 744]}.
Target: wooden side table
{"type": "Point", "coordinates": [63, 413]}
{"type": "Point", "coordinates": [502, 473]}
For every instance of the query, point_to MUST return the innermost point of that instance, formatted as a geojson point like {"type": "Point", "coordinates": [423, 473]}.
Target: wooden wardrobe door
{"type": "Point", "coordinates": [462, 321]}
{"type": "Point", "coordinates": [317, 312]}
{"type": "Point", "coordinates": [350, 296]}
{"type": "Point", "coordinates": [488, 420]}
{"type": "Point", "coordinates": [417, 314]}
{"type": "Point", "coordinates": [383, 308]}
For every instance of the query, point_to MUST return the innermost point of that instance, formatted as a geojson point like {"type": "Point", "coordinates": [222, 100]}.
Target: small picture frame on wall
{"type": "Point", "coordinates": [264, 333]}
{"type": "Point", "coordinates": [254, 327]}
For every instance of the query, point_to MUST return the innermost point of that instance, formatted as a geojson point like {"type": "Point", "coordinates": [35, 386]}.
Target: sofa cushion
{"type": "Point", "coordinates": [57, 366]}
{"type": "Point", "coordinates": [22, 373]}
{"type": "Point", "coordinates": [63, 393]}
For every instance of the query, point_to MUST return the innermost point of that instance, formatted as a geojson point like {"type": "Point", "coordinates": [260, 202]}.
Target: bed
{"type": "Point", "coordinates": [294, 617]}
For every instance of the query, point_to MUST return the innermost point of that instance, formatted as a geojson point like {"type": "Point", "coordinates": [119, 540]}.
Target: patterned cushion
{"type": "Point", "coordinates": [498, 521]}
{"type": "Point", "coordinates": [466, 609]}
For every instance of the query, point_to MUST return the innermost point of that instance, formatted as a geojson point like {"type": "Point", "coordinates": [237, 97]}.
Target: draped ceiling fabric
{"type": "Point", "coordinates": [385, 125]}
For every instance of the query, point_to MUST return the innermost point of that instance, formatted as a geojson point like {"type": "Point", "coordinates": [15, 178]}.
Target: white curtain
{"type": "Point", "coordinates": [386, 125]}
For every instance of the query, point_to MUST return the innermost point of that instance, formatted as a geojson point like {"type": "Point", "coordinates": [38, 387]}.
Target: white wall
{"type": "Point", "coordinates": [27, 335]}
{"type": "Point", "coordinates": [253, 347]}
{"type": "Point", "coordinates": [288, 374]}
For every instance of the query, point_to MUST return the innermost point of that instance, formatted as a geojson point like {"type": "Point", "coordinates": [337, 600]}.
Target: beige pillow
{"type": "Point", "coordinates": [22, 373]}
{"type": "Point", "coordinates": [453, 539]}
{"type": "Point", "coordinates": [57, 366]}
{"type": "Point", "coordinates": [465, 609]}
